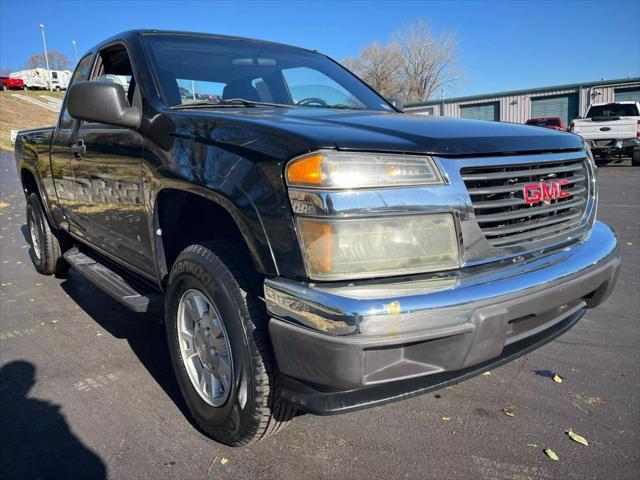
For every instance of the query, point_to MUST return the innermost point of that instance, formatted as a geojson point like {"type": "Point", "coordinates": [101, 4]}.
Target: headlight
{"type": "Point", "coordinates": [334, 169]}
{"type": "Point", "coordinates": [369, 247]}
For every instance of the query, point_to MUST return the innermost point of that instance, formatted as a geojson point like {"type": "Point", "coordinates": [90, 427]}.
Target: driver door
{"type": "Point", "coordinates": [109, 210]}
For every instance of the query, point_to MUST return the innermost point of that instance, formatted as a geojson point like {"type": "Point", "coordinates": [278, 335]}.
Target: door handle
{"type": "Point", "coordinates": [79, 149]}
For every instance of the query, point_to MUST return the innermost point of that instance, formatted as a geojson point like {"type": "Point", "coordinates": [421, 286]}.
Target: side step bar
{"type": "Point", "coordinates": [135, 297]}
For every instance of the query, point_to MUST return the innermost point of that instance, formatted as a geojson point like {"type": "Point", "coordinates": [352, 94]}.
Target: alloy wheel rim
{"type": "Point", "coordinates": [204, 347]}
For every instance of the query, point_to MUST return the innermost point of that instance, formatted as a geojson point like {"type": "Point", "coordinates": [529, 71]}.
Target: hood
{"type": "Point", "coordinates": [396, 132]}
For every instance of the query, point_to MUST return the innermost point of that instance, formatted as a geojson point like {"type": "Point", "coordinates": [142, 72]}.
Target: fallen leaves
{"type": "Point", "coordinates": [4, 205]}
{"type": "Point", "coordinates": [446, 419]}
{"type": "Point", "coordinates": [551, 454]}
{"type": "Point", "coordinates": [557, 378]}
{"type": "Point", "coordinates": [577, 438]}
{"type": "Point", "coordinates": [508, 412]}
{"type": "Point", "coordinates": [487, 373]}
{"type": "Point", "coordinates": [224, 461]}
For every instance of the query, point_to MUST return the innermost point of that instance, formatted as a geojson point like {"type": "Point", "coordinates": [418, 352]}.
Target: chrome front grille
{"type": "Point", "coordinates": [505, 218]}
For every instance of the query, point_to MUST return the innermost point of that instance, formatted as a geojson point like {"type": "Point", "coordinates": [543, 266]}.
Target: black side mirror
{"type": "Point", "coordinates": [398, 103]}
{"type": "Point", "coordinates": [102, 102]}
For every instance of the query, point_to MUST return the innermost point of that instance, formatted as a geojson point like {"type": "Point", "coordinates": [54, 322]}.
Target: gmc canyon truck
{"type": "Point", "coordinates": [610, 130]}
{"type": "Point", "coordinates": [311, 246]}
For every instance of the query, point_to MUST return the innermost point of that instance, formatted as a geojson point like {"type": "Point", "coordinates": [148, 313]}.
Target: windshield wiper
{"type": "Point", "coordinates": [229, 102]}
{"type": "Point", "coordinates": [344, 107]}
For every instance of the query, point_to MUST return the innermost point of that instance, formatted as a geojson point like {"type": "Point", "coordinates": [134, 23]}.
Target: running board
{"type": "Point", "coordinates": [135, 297]}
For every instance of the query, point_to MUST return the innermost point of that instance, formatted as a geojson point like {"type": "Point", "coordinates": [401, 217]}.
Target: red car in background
{"type": "Point", "coordinates": [12, 83]}
{"type": "Point", "coordinates": [554, 123]}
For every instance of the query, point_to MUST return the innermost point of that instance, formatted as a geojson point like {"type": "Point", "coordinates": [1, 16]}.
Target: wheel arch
{"type": "Point", "coordinates": [30, 184]}
{"type": "Point", "coordinates": [184, 216]}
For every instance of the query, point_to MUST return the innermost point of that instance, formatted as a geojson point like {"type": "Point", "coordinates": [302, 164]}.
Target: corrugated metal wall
{"type": "Point", "coordinates": [517, 108]}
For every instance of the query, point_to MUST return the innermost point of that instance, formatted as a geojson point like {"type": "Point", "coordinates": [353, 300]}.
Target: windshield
{"type": "Point", "coordinates": [194, 69]}
{"type": "Point", "coordinates": [613, 110]}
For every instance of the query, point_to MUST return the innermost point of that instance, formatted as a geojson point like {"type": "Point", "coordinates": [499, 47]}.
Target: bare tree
{"type": "Point", "coordinates": [379, 66]}
{"type": "Point", "coordinates": [57, 61]}
{"type": "Point", "coordinates": [429, 62]}
{"type": "Point", "coordinates": [4, 71]}
{"type": "Point", "coordinates": [415, 65]}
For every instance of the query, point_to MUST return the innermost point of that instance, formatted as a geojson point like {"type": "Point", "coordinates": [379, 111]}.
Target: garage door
{"type": "Point", "coordinates": [627, 94]}
{"type": "Point", "coordinates": [563, 106]}
{"type": "Point", "coordinates": [481, 111]}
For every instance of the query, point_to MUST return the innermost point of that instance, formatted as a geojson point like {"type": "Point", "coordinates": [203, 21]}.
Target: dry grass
{"type": "Point", "coordinates": [17, 114]}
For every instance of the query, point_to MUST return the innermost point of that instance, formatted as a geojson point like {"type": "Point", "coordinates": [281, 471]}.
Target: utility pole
{"type": "Point", "coordinates": [46, 58]}
{"type": "Point", "coordinates": [75, 50]}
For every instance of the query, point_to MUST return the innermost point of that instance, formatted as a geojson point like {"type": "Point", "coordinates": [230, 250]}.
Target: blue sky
{"type": "Point", "coordinates": [502, 45]}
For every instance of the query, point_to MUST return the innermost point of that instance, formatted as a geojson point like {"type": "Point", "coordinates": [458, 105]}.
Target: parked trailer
{"type": "Point", "coordinates": [38, 78]}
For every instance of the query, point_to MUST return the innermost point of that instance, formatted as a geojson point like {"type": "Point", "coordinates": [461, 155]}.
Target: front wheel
{"type": "Point", "coordinates": [5, 88]}
{"type": "Point", "coordinates": [216, 330]}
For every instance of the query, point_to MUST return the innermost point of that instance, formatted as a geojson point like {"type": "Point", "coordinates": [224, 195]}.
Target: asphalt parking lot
{"type": "Point", "coordinates": [87, 390]}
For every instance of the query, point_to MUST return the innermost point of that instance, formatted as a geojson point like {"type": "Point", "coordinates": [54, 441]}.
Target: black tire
{"type": "Point", "coordinates": [229, 282]}
{"type": "Point", "coordinates": [635, 158]}
{"type": "Point", "coordinates": [47, 255]}
{"type": "Point", "coordinates": [5, 88]}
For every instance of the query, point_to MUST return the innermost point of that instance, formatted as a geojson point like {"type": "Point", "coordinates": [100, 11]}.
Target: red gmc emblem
{"type": "Point", "coordinates": [539, 192]}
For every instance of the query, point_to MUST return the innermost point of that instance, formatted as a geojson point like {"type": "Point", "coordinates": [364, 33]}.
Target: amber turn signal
{"type": "Point", "coordinates": [306, 171]}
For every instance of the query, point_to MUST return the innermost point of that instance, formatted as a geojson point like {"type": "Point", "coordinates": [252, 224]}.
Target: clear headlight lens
{"type": "Point", "coordinates": [370, 247]}
{"type": "Point", "coordinates": [334, 169]}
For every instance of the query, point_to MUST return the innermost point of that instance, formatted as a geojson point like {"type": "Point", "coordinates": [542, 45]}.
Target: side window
{"type": "Point", "coordinates": [81, 73]}
{"type": "Point", "coordinates": [113, 65]}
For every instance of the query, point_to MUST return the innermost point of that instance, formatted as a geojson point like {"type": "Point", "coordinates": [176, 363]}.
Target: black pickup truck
{"type": "Point", "coordinates": [312, 247]}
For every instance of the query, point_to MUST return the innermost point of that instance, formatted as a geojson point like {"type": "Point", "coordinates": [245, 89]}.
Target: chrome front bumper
{"type": "Point", "coordinates": [358, 335]}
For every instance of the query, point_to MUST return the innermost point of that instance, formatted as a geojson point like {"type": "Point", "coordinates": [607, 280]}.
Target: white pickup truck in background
{"type": "Point", "coordinates": [612, 130]}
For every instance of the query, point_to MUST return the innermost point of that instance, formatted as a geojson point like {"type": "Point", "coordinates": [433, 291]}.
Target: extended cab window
{"type": "Point", "coordinates": [215, 69]}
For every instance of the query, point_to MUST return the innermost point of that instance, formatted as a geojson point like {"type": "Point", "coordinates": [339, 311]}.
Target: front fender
{"type": "Point", "coordinates": [240, 186]}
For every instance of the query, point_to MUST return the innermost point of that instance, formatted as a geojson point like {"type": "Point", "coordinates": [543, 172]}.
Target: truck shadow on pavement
{"type": "Point", "coordinates": [144, 333]}
{"type": "Point", "coordinates": [36, 439]}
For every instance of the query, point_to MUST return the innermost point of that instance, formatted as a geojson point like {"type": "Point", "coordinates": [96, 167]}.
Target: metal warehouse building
{"type": "Point", "coordinates": [564, 101]}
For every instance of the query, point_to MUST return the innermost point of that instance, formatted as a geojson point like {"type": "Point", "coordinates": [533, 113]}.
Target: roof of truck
{"type": "Point", "coordinates": [130, 33]}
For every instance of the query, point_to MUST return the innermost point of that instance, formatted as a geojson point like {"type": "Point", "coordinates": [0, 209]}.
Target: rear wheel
{"type": "Point", "coordinates": [46, 252]}
{"type": "Point", "coordinates": [5, 88]}
{"type": "Point", "coordinates": [217, 334]}
{"type": "Point", "coordinates": [635, 158]}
